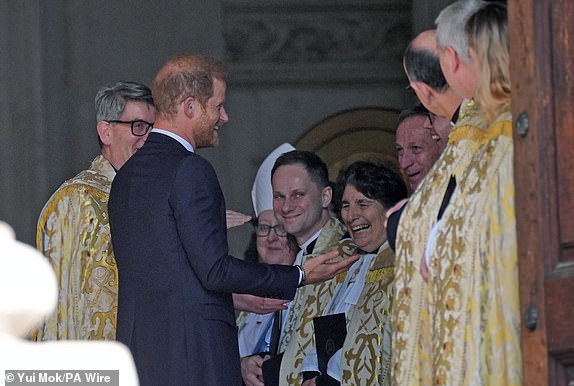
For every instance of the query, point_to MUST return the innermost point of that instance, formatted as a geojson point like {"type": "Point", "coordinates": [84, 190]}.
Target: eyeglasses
{"type": "Point", "coordinates": [434, 134]}
{"type": "Point", "coordinates": [430, 116]}
{"type": "Point", "coordinates": [263, 230]}
{"type": "Point", "coordinates": [139, 127]}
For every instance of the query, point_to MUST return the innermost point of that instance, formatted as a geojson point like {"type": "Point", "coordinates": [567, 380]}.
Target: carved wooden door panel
{"type": "Point", "coordinates": [542, 52]}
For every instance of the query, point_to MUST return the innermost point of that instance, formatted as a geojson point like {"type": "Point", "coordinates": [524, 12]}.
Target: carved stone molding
{"type": "Point", "coordinates": [315, 41]}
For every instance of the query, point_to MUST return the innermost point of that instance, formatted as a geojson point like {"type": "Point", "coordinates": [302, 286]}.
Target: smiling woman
{"type": "Point", "coordinates": [365, 189]}
{"type": "Point", "coordinates": [364, 219]}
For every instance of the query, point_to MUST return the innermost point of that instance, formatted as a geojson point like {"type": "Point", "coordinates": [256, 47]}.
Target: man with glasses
{"type": "Point", "coordinates": [256, 332]}
{"type": "Point", "coordinates": [420, 139]}
{"type": "Point", "coordinates": [73, 230]}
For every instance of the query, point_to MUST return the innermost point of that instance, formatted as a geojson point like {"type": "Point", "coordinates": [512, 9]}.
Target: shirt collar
{"type": "Point", "coordinates": [184, 143]}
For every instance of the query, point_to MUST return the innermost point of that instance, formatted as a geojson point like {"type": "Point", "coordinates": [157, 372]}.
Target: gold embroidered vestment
{"type": "Point", "coordinates": [366, 353]}
{"type": "Point", "coordinates": [74, 234]}
{"type": "Point", "coordinates": [310, 301]}
{"type": "Point", "coordinates": [461, 327]}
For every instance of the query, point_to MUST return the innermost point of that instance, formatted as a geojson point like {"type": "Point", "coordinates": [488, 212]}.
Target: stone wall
{"type": "Point", "coordinates": [292, 64]}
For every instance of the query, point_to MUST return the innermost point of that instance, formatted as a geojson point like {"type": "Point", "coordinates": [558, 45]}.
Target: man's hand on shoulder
{"type": "Point", "coordinates": [322, 267]}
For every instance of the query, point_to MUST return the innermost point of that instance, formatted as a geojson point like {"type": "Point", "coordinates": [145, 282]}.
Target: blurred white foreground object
{"type": "Point", "coordinates": [28, 293]}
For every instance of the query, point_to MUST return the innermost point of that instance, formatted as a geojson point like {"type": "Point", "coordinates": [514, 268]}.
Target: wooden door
{"type": "Point", "coordinates": [542, 52]}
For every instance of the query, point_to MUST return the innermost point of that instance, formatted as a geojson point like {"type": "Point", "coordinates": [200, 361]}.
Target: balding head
{"type": "Point", "coordinates": [421, 61]}
{"type": "Point", "coordinates": [422, 66]}
{"type": "Point", "coordinates": [426, 40]}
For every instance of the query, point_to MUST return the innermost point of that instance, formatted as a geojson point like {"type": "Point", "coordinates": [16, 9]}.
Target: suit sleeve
{"type": "Point", "coordinates": [199, 212]}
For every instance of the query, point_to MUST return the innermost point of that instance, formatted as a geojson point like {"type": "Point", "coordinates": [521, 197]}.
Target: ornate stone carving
{"type": "Point", "coordinates": [307, 42]}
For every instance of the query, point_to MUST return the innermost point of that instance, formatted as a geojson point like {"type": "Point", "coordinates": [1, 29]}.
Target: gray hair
{"type": "Point", "coordinates": [451, 24]}
{"type": "Point", "coordinates": [111, 99]}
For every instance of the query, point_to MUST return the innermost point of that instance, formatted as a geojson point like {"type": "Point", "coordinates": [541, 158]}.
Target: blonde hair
{"type": "Point", "coordinates": [487, 32]}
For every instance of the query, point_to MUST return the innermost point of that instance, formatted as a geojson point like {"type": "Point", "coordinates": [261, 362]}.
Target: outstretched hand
{"type": "Point", "coordinates": [234, 219]}
{"type": "Point", "coordinates": [258, 305]}
{"type": "Point", "coordinates": [322, 267]}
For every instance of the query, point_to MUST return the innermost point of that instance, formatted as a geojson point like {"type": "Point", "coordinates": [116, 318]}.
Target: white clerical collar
{"type": "Point", "coordinates": [310, 240]}
{"type": "Point", "coordinates": [184, 143]}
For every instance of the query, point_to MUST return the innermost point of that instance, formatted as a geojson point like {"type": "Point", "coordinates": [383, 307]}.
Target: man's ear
{"type": "Point", "coordinates": [423, 91]}
{"type": "Point", "coordinates": [105, 132]}
{"type": "Point", "coordinates": [451, 59]}
{"type": "Point", "coordinates": [189, 106]}
{"type": "Point", "coordinates": [326, 196]}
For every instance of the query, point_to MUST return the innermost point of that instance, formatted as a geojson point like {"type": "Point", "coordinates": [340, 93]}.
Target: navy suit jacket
{"type": "Point", "coordinates": [167, 217]}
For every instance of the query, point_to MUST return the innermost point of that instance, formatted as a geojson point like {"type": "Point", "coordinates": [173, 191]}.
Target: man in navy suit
{"type": "Point", "coordinates": [167, 216]}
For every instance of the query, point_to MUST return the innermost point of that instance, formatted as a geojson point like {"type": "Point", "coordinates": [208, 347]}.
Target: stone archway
{"type": "Point", "coordinates": [350, 135]}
